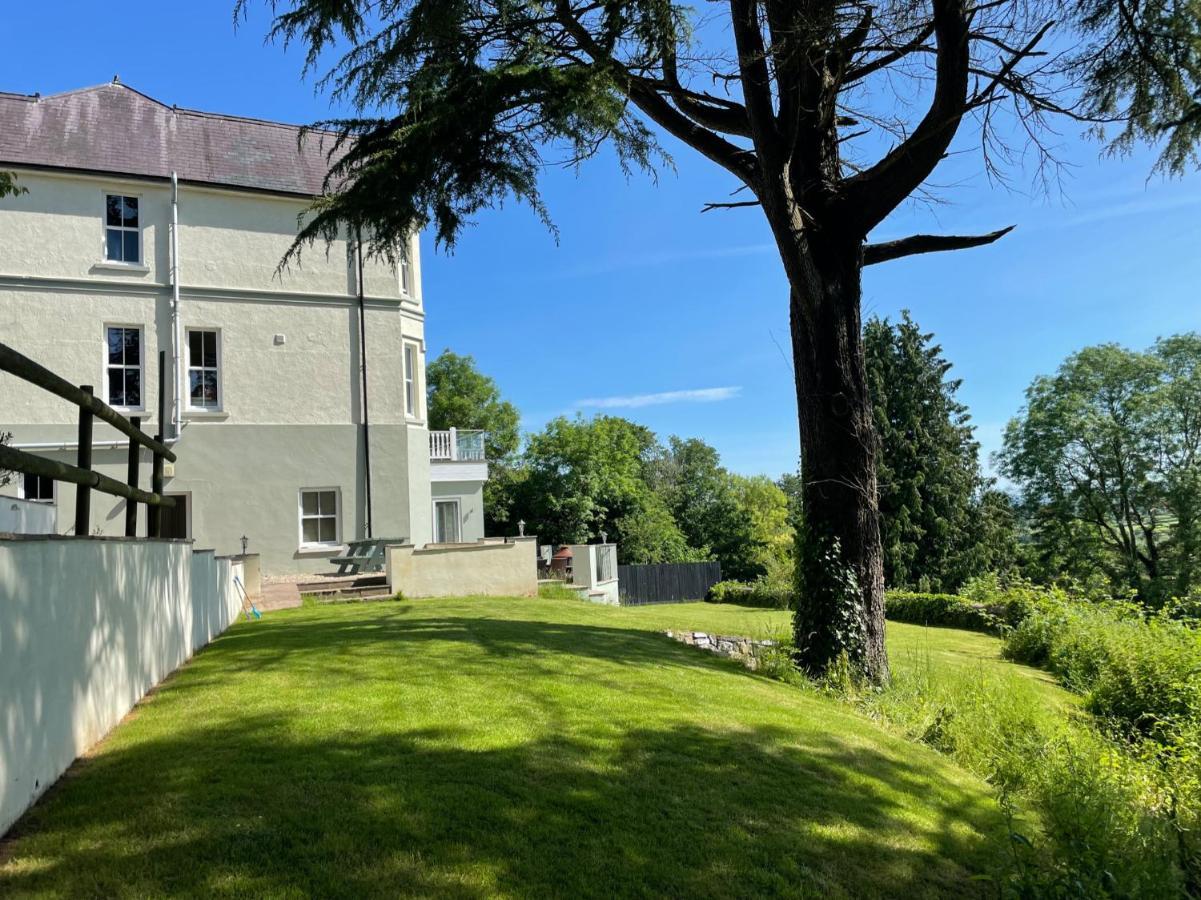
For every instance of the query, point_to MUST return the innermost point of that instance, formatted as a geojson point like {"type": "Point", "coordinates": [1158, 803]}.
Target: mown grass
{"type": "Point", "coordinates": [912, 649]}
{"type": "Point", "coordinates": [493, 747]}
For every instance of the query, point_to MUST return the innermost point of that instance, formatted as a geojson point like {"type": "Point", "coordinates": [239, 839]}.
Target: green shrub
{"type": "Point", "coordinates": [937, 609]}
{"type": "Point", "coordinates": [763, 593]}
{"type": "Point", "coordinates": [987, 603]}
{"type": "Point", "coordinates": [1144, 677]}
{"type": "Point", "coordinates": [1087, 814]}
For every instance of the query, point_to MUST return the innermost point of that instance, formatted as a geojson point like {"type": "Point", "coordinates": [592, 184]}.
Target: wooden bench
{"type": "Point", "coordinates": [364, 556]}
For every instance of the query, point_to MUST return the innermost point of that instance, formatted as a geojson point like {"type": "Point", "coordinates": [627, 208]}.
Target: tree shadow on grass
{"type": "Point", "coordinates": [681, 811]}
{"type": "Point", "coordinates": [283, 805]}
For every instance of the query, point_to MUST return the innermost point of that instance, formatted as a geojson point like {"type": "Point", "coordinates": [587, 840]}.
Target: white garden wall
{"type": "Point", "coordinates": [87, 627]}
{"type": "Point", "coordinates": [462, 570]}
{"type": "Point", "coordinates": [19, 516]}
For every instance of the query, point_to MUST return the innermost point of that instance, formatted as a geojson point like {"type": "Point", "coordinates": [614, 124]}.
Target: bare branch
{"type": "Point", "coordinates": [927, 243]}
{"type": "Point", "coordinates": [734, 205]}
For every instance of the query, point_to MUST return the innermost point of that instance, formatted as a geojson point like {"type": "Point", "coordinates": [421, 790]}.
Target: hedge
{"type": "Point", "coordinates": [758, 593]}
{"type": "Point", "coordinates": [998, 613]}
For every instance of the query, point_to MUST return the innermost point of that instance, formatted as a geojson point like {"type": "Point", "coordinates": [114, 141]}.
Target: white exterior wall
{"type": "Point", "coordinates": [583, 574]}
{"type": "Point", "coordinates": [470, 495]}
{"type": "Point", "coordinates": [459, 570]}
{"type": "Point", "coordinates": [25, 516]}
{"type": "Point", "coordinates": [86, 629]}
{"type": "Point", "coordinates": [291, 412]}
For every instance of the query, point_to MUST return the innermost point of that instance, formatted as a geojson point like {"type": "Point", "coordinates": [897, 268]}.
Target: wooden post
{"type": "Point", "coordinates": [155, 513]}
{"type": "Point", "coordinates": [83, 493]}
{"type": "Point", "coordinates": [131, 506]}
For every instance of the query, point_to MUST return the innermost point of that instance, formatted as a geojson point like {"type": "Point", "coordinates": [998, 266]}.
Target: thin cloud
{"type": "Point", "coordinates": [636, 401]}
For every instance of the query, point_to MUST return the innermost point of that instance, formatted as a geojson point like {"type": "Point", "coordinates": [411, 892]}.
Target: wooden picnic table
{"type": "Point", "coordinates": [364, 556]}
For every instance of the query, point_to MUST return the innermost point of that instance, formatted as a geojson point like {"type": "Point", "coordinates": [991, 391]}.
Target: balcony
{"type": "Point", "coordinates": [457, 446]}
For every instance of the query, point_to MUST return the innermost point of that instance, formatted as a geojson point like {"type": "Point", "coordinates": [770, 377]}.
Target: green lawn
{"type": "Point", "coordinates": [493, 747]}
{"type": "Point", "coordinates": [910, 647]}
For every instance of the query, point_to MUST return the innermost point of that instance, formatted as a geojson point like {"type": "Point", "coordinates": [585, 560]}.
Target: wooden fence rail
{"type": "Point", "coordinates": [81, 475]}
{"type": "Point", "coordinates": [666, 582]}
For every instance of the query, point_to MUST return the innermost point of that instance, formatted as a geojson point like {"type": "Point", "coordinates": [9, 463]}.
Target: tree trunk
{"type": "Point", "coordinates": [840, 559]}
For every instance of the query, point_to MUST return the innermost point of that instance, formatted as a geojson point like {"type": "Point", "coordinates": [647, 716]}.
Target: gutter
{"type": "Point", "coordinates": [176, 336]}
{"type": "Point", "coordinates": [363, 366]}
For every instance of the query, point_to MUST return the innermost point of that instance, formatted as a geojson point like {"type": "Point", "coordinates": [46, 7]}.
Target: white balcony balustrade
{"type": "Point", "coordinates": [457, 445]}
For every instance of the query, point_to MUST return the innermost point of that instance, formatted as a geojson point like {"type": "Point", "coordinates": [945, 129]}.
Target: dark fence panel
{"type": "Point", "coordinates": [667, 582]}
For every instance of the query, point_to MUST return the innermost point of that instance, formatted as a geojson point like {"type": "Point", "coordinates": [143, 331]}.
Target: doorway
{"type": "Point", "coordinates": [176, 521]}
{"type": "Point", "coordinates": [446, 522]}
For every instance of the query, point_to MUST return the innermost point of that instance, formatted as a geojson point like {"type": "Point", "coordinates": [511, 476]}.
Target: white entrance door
{"type": "Point", "coordinates": [446, 522]}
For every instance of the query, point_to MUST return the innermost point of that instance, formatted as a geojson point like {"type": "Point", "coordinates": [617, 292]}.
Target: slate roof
{"type": "Point", "coordinates": [114, 129]}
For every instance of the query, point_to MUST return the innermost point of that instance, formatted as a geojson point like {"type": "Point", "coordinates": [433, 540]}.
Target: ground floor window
{"type": "Point", "coordinates": [38, 488]}
{"type": "Point", "coordinates": [319, 515]}
{"type": "Point", "coordinates": [446, 522]}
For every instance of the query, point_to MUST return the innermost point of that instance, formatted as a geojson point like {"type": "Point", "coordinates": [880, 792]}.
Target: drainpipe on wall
{"type": "Point", "coordinates": [176, 337]}
{"type": "Point", "coordinates": [363, 366]}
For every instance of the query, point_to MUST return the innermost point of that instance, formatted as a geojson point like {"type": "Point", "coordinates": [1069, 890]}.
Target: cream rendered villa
{"type": "Point", "coordinates": [295, 401]}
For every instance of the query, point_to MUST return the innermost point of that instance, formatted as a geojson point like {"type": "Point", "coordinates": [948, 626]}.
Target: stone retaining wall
{"type": "Point", "coordinates": [740, 648]}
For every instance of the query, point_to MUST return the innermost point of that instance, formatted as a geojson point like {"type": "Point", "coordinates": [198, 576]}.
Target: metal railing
{"type": "Point", "coordinates": [606, 562]}
{"type": "Point", "coordinates": [457, 445]}
{"type": "Point", "coordinates": [81, 474]}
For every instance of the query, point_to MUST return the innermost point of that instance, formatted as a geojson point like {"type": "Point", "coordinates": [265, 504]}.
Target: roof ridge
{"type": "Point", "coordinates": [99, 87]}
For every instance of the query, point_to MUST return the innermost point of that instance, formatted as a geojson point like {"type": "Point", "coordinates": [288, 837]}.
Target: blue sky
{"type": "Point", "coordinates": [648, 309]}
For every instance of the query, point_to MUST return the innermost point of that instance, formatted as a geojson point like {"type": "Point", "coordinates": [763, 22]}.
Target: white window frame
{"type": "Point", "coordinates": [105, 228]}
{"type": "Point", "coordinates": [141, 329]}
{"type": "Point", "coordinates": [412, 380]}
{"type": "Point", "coordinates": [53, 501]}
{"type": "Point", "coordinates": [188, 367]}
{"type": "Point", "coordinates": [404, 271]}
{"type": "Point", "coordinates": [458, 503]}
{"type": "Point", "coordinates": [320, 546]}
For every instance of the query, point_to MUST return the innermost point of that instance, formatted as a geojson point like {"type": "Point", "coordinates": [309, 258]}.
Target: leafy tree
{"type": "Point", "coordinates": [459, 395]}
{"type": "Point", "coordinates": [9, 186]}
{"type": "Point", "coordinates": [928, 461]}
{"type": "Point", "coordinates": [1107, 453]}
{"type": "Point", "coordinates": [6, 477]}
{"type": "Point", "coordinates": [704, 500]}
{"type": "Point", "coordinates": [804, 104]}
{"type": "Point", "coordinates": [582, 477]}
{"type": "Point", "coordinates": [649, 534]}
{"type": "Point", "coordinates": [1140, 65]}
{"type": "Point", "coordinates": [772, 534]}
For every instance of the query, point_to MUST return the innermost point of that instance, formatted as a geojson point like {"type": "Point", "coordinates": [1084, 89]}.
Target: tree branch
{"type": "Point", "coordinates": [874, 193]}
{"type": "Point", "coordinates": [756, 81]}
{"type": "Point", "coordinates": [860, 72]}
{"type": "Point", "coordinates": [927, 243]}
{"type": "Point", "coordinates": [643, 93]}
{"type": "Point", "coordinates": [729, 205]}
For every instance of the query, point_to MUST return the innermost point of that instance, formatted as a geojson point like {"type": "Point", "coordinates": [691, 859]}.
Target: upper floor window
{"type": "Point", "coordinates": [122, 233]}
{"type": "Point", "coordinates": [38, 488]}
{"type": "Point", "coordinates": [204, 369]}
{"type": "Point", "coordinates": [123, 366]}
{"type": "Point", "coordinates": [411, 379]}
{"type": "Point", "coordinates": [406, 273]}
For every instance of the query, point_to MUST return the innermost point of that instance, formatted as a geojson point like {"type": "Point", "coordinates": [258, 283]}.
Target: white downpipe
{"type": "Point", "coordinates": [176, 336]}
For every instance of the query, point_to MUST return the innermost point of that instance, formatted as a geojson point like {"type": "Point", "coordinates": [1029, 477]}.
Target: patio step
{"type": "Point", "coordinates": [333, 586]}
{"type": "Point", "coordinates": [359, 596]}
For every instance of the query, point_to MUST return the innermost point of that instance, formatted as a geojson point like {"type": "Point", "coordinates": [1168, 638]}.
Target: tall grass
{"type": "Point", "coordinates": [1090, 814]}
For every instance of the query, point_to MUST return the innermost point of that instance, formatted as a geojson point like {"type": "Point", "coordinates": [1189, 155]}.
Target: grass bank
{"type": "Point", "coordinates": [491, 747]}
